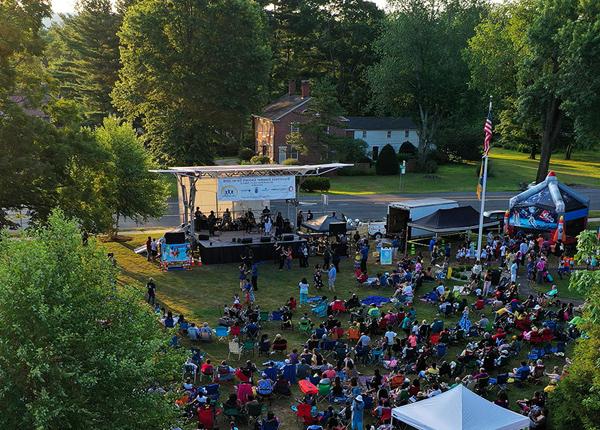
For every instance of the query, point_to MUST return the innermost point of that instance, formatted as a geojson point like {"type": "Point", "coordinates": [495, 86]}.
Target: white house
{"type": "Point", "coordinates": [379, 131]}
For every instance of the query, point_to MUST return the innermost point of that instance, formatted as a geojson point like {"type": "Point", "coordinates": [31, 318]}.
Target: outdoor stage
{"type": "Point", "coordinates": [221, 248]}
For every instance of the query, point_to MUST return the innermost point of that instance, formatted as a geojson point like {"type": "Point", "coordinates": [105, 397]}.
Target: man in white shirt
{"type": "Point", "coordinates": [390, 335]}
{"type": "Point", "coordinates": [440, 289]}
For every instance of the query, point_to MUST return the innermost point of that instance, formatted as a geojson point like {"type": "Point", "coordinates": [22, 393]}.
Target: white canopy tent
{"type": "Point", "coordinates": [459, 409]}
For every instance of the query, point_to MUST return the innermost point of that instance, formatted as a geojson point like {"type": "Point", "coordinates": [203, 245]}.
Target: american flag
{"type": "Point", "coordinates": [488, 132]}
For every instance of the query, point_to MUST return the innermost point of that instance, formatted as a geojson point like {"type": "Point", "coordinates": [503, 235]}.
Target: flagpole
{"type": "Point", "coordinates": [483, 189]}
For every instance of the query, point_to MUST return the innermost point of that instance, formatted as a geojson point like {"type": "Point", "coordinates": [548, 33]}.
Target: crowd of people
{"type": "Point", "coordinates": [363, 356]}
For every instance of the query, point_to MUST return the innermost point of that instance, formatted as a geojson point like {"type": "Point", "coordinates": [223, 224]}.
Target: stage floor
{"type": "Point", "coordinates": [222, 248]}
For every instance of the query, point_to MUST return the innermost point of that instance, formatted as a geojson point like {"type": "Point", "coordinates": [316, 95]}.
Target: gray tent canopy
{"type": "Point", "coordinates": [452, 220]}
{"type": "Point", "coordinates": [321, 224]}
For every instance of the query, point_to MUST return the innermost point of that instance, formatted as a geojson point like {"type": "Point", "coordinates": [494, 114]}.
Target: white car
{"type": "Point", "coordinates": [375, 229]}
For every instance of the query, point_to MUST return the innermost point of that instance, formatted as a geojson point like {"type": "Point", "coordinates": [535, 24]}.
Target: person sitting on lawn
{"type": "Point", "coordinates": [279, 343]}
{"type": "Point", "coordinates": [522, 372]}
{"type": "Point", "coordinates": [282, 386]}
{"type": "Point", "coordinates": [264, 386]}
{"type": "Point", "coordinates": [353, 302]}
{"type": "Point", "coordinates": [270, 423]}
{"type": "Point", "coordinates": [206, 333]}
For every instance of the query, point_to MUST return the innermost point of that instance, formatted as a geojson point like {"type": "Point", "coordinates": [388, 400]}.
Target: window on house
{"type": "Point", "coordinates": [294, 153]}
{"type": "Point", "coordinates": [294, 127]}
{"type": "Point", "coordinates": [364, 134]}
{"type": "Point", "coordinates": [389, 134]}
{"type": "Point", "coordinates": [406, 133]}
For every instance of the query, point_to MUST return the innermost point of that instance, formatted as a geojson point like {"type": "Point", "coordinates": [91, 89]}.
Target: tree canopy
{"type": "Point", "coordinates": [76, 351]}
{"type": "Point", "coordinates": [192, 73]}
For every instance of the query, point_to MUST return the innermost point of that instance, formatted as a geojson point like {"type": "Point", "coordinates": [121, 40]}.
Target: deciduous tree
{"type": "Point", "coordinates": [76, 350]}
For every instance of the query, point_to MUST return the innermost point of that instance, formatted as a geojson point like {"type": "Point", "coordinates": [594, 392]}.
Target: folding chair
{"type": "Point", "coordinates": [221, 333]}
{"type": "Point", "coordinates": [324, 392]}
{"type": "Point", "coordinates": [327, 347]}
{"type": "Point", "coordinates": [440, 350]}
{"type": "Point", "coordinates": [263, 316]}
{"type": "Point", "coordinates": [235, 348]}
{"type": "Point", "coordinates": [277, 316]}
{"type": "Point", "coordinates": [305, 326]}
{"type": "Point", "coordinates": [376, 355]}
{"type": "Point", "coordinates": [212, 392]}
{"type": "Point", "coordinates": [249, 346]}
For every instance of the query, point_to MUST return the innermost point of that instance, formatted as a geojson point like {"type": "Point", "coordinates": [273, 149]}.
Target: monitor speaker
{"type": "Point", "coordinates": [265, 239]}
{"type": "Point", "coordinates": [288, 237]}
{"type": "Point", "coordinates": [337, 228]}
{"type": "Point", "coordinates": [203, 237]}
{"type": "Point", "coordinates": [247, 240]}
{"type": "Point", "coordinates": [175, 237]}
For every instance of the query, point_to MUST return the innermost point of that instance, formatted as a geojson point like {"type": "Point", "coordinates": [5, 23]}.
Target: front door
{"type": "Point", "coordinates": [282, 154]}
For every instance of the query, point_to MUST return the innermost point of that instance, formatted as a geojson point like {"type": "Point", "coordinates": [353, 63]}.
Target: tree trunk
{"type": "Point", "coordinates": [569, 151]}
{"type": "Point", "coordinates": [532, 151]}
{"type": "Point", "coordinates": [549, 137]}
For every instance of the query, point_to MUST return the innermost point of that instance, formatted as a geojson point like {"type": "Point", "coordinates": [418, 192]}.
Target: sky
{"type": "Point", "coordinates": [68, 6]}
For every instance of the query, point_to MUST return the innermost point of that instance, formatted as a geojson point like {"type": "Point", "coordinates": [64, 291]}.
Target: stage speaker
{"type": "Point", "coordinates": [203, 237]}
{"type": "Point", "coordinates": [288, 237]}
{"type": "Point", "coordinates": [265, 239]}
{"type": "Point", "coordinates": [337, 228]}
{"type": "Point", "coordinates": [174, 237]}
{"type": "Point", "coordinates": [247, 240]}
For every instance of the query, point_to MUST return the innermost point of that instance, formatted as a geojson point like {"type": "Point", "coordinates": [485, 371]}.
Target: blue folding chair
{"type": "Point", "coordinates": [212, 391]}
{"type": "Point", "coordinates": [221, 332]}
{"type": "Point", "coordinates": [328, 346]}
{"type": "Point", "coordinates": [560, 347]}
{"type": "Point", "coordinates": [276, 316]}
{"type": "Point", "coordinates": [377, 355]}
{"type": "Point", "coordinates": [440, 350]}
{"type": "Point", "coordinates": [289, 373]}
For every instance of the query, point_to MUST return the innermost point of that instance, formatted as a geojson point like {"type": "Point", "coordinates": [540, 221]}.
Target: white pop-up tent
{"type": "Point", "coordinates": [459, 409]}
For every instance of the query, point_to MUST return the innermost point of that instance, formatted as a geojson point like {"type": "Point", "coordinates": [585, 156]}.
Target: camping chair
{"type": "Point", "coordinates": [232, 414]}
{"type": "Point", "coordinates": [212, 392]}
{"type": "Point", "coordinates": [307, 387]}
{"type": "Point", "coordinates": [280, 347]}
{"type": "Point", "coordinates": [305, 326]}
{"type": "Point", "coordinates": [263, 317]}
{"type": "Point", "coordinates": [376, 355]}
{"type": "Point", "coordinates": [324, 392]}
{"type": "Point", "coordinates": [320, 310]}
{"type": "Point", "coordinates": [243, 391]}
{"type": "Point", "coordinates": [235, 348]}
{"type": "Point", "coordinates": [249, 346]}
{"type": "Point", "coordinates": [189, 369]}
{"type": "Point", "coordinates": [303, 413]}
{"type": "Point", "coordinates": [221, 332]}
{"type": "Point", "coordinates": [440, 350]}
{"type": "Point", "coordinates": [560, 347]}
{"type": "Point", "coordinates": [353, 334]}
{"type": "Point", "coordinates": [500, 381]}
{"type": "Point", "coordinates": [327, 347]}
{"type": "Point", "coordinates": [254, 411]}
{"type": "Point", "coordinates": [289, 373]}
{"type": "Point", "coordinates": [276, 316]}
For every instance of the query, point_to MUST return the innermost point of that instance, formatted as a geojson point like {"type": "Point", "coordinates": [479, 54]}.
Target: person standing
{"type": "Point", "coordinates": [288, 257]}
{"type": "Point", "coordinates": [332, 274]}
{"type": "Point", "coordinates": [303, 285]}
{"type": "Point", "coordinates": [335, 259]}
{"type": "Point", "coordinates": [149, 248]}
{"type": "Point", "coordinates": [364, 255]}
{"type": "Point", "coordinates": [212, 220]}
{"type": "Point", "coordinates": [299, 220]}
{"type": "Point", "coordinates": [309, 215]}
{"type": "Point", "coordinates": [513, 271]}
{"type": "Point", "coordinates": [318, 277]}
{"type": "Point", "coordinates": [154, 249]}
{"type": "Point", "coordinates": [151, 288]}
{"type": "Point", "coordinates": [358, 407]}
{"type": "Point", "coordinates": [326, 256]}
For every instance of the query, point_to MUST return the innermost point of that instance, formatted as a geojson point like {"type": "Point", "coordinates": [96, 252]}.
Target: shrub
{"type": "Point", "coordinates": [291, 162]}
{"type": "Point", "coordinates": [429, 165]}
{"type": "Point", "coordinates": [387, 162]}
{"type": "Point", "coordinates": [316, 183]}
{"type": "Point", "coordinates": [245, 154]}
{"type": "Point", "coordinates": [260, 159]}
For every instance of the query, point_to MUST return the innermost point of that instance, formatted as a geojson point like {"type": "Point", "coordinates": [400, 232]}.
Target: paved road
{"type": "Point", "coordinates": [369, 207]}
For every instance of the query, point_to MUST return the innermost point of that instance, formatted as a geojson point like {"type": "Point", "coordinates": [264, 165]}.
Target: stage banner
{"type": "Point", "coordinates": [175, 253]}
{"type": "Point", "coordinates": [256, 188]}
{"type": "Point", "coordinates": [385, 256]}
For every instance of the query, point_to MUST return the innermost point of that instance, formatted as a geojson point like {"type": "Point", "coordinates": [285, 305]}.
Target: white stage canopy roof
{"type": "Point", "coordinates": [459, 409]}
{"type": "Point", "coordinates": [227, 171]}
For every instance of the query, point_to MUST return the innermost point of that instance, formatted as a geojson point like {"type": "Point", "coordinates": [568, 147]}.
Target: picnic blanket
{"type": "Point", "coordinates": [378, 300]}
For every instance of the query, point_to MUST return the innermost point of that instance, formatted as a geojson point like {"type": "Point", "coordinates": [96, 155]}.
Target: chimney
{"type": "Point", "coordinates": [305, 89]}
{"type": "Point", "coordinates": [292, 87]}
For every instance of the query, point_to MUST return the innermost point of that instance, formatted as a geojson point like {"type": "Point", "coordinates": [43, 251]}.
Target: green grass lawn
{"type": "Point", "coordinates": [201, 293]}
{"type": "Point", "coordinates": [508, 169]}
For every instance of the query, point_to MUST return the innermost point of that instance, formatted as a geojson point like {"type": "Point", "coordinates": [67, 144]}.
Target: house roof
{"type": "Point", "coordinates": [279, 108]}
{"type": "Point", "coordinates": [379, 123]}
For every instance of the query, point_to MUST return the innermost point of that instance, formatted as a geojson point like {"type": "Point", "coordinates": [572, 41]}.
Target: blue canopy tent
{"type": "Point", "coordinates": [540, 207]}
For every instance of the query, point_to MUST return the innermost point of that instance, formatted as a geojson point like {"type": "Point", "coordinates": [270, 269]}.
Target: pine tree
{"type": "Point", "coordinates": [84, 57]}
